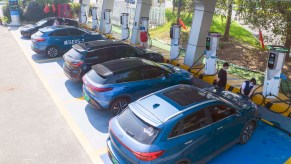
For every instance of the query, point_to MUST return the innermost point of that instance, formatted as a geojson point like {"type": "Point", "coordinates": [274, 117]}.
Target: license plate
{"type": "Point", "coordinates": [86, 97]}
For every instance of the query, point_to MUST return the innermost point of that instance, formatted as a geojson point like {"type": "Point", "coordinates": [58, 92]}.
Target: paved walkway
{"type": "Point", "coordinates": [32, 130]}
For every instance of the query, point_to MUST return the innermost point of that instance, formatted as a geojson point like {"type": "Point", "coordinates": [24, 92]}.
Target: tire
{"type": "Point", "coordinates": [183, 161]}
{"type": "Point", "coordinates": [52, 52]}
{"type": "Point", "coordinates": [118, 105]}
{"type": "Point", "coordinates": [247, 132]}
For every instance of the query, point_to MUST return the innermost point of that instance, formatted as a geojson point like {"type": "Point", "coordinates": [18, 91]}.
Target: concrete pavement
{"type": "Point", "coordinates": [32, 129]}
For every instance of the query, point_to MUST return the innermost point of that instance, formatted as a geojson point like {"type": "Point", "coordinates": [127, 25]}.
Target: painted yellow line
{"type": "Point", "coordinates": [101, 151]}
{"type": "Point", "coordinates": [74, 127]}
{"type": "Point", "coordinates": [48, 60]}
{"type": "Point", "coordinates": [288, 161]}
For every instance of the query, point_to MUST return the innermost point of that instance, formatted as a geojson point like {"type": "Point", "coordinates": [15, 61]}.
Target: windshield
{"type": "Point", "coordinates": [96, 78]}
{"type": "Point", "coordinates": [87, 31]}
{"type": "Point", "coordinates": [39, 34]}
{"type": "Point", "coordinates": [137, 129]}
{"type": "Point", "coordinates": [168, 68]}
{"type": "Point", "coordinates": [42, 22]}
{"type": "Point", "coordinates": [74, 54]}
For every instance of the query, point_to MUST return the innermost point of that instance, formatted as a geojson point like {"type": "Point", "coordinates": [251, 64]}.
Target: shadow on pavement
{"type": "Point", "coordinates": [74, 88]}
{"type": "Point", "coordinates": [99, 119]}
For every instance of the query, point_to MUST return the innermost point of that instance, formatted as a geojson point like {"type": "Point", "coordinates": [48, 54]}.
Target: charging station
{"type": "Point", "coordinates": [212, 43]}
{"type": "Point", "coordinates": [175, 41]}
{"type": "Point", "coordinates": [107, 20]}
{"type": "Point", "coordinates": [124, 26]}
{"type": "Point", "coordinates": [95, 23]}
{"type": "Point", "coordinates": [275, 64]}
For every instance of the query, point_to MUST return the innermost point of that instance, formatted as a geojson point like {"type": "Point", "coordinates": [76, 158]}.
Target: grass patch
{"type": "Point", "coordinates": [218, 25]}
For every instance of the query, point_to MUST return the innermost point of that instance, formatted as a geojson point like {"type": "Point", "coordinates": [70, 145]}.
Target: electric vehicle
{"type": "Point", "coordinates": [54, 40]}
{"type": "Point", "coordinates": [180, 124]}
{"type": "Point", "coordinates": [30, 29]}
{"type": "Point", "coordinates": [112, 85]}
{"type": "Point", "coordinates": [81, 57]}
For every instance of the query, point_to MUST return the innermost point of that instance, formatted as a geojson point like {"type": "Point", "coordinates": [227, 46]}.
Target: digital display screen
{"type": "Point", "coordinates": [271, 60]}
{"type": "Point", "coordinates": [208, 43]}
{"type": "Point", "coordinates": [13, 5]}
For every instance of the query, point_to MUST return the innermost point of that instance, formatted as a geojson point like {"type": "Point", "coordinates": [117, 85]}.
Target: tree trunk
{"type": "Point", "coordinates": [173, 3]}
{"type": "Point", "coordinates": [287, 43]}
{"type": "Point", "coordinates": [228, 22]}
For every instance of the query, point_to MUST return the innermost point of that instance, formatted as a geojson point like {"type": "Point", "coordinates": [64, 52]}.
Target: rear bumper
{"type": "Point", "coordinates": [38, 49]}
{"type": "Point", "coordinates": [74, 75]}
{"type": "Point", "coordinates": [114, 158]}
{"type": "Point", "coordinates": [94, 103]}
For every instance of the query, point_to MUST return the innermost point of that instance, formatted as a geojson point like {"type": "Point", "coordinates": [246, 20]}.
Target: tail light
{"type": "Point", "coordinates": [94, 88]}
{"type": "Point", "coordinates": [76, 64]}
{"type": "Point", "coordinates": [148, 156]}
{"type": "Point", "coordinates": [39, 39]}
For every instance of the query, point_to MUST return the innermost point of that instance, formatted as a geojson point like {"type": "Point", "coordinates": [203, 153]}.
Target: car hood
{"type": "Point", "coordinates": [27, 27]}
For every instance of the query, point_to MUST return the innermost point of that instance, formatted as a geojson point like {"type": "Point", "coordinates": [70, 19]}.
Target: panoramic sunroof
{"type": "Point", "coordinates": [184, 95]}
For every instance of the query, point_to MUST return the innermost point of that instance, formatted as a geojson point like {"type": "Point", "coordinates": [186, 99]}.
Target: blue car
{"type": "Point", "coordinates": [180, 124]}
{"type": "Point", "coordinates": [112, 85]}
{"type": "Point", "coordinates": [54, 40]}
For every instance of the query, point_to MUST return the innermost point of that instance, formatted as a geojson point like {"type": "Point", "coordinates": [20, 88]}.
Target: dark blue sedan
{"type": "Point", "coordinates": [54, 40]}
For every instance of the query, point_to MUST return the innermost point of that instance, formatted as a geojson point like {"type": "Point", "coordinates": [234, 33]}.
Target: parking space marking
{"type": "Point", "coordinates": [56, 76]}
{"type": "Point", "coordinates": [47, 60]}
{"type": "Point", "coordinates": [72, 124]}
{"type": "Point", "coordinates": [288, 161]}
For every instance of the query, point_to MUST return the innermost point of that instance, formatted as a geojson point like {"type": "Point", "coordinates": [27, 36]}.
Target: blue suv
{"type": "Point", "coordinates": [180, 124]}
{"type": "Point", "coordinates": [112, 85]}
{"type": "Point", "coordinates": [54, 40]}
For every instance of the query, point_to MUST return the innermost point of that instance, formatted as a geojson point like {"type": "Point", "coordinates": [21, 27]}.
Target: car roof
{"type": "Point", "coordinates": [170, 102]}
{"type": "Point", "coordinates": [52, 28]}
{"type": "Point", "coordinates": [120, 65]}
{"type": "Point", "coordinates": [93, 45]}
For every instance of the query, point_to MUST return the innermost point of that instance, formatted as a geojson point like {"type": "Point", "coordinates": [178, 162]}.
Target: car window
{"type": "Point", "coordinates": [153, 72]}
{"type": "Point", "coordinates": [190, 123]}
{"type": "Point", "coordinates": [60, 33]}
{"type": "Point", "coordinates": [76, 32]}
{"type": "Point", "coordinates": [137, 129]}
{"type": "Point", "coordinates": [110, 51]}
{"type": "Point", "coordinates": [126, 51]}
{"type": "Point", "coordinates": [50, 22]}
{"type": "Point", "coordinates": [94, 54]}
{"type": "Point", "coordinates": [219, 112]}
{"type": "Point", "coordinates": [133, 75]}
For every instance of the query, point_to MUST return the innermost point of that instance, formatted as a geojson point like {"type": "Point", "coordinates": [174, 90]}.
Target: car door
{"type": "Point", "coordinates": [226, 122]}
{"type": "Point", "coordinates": [131, 83]}
{"type": "Point", "coordinates": [61, 39]}
{"type": "Point", "coordinates": [155, 78]}
{"type": "Point", "coordinates": [195, 135]}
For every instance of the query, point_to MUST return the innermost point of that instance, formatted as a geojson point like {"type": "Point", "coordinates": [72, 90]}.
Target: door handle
{"type": "Point", "coordinates": [220, 128]}
{"type": "Point", "coordinates": [57, 39]}
{"type": "Point", "coordinates": [186, 143]}
{"type": "Point", "coordinates": [150, 84]}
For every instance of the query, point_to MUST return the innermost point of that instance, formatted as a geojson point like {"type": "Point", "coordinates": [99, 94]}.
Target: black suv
{"type": "Point", "coordinates": [81, 57]}
{"type": "Point", "coordinates": [30, 29]}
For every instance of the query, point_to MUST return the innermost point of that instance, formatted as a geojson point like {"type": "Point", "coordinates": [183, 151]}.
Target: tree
{"type": "Point", "coordinates": [269, 14]}
{"type": "Point", "coordinates": [225, 5]}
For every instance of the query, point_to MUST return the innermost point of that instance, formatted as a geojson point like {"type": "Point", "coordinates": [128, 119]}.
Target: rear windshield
{"type": "Point", "coordinates": [39, 34]}
{"type": "Point", "coordinates": [137, 128]}
{"type": "Point", "coordinates": [74, 54]}
{"type": "Point", "coordinates": [96, 78]}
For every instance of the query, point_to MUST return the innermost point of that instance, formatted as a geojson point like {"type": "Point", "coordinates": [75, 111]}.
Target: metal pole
{"type": "Point", "coordinates": [179, 11]}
